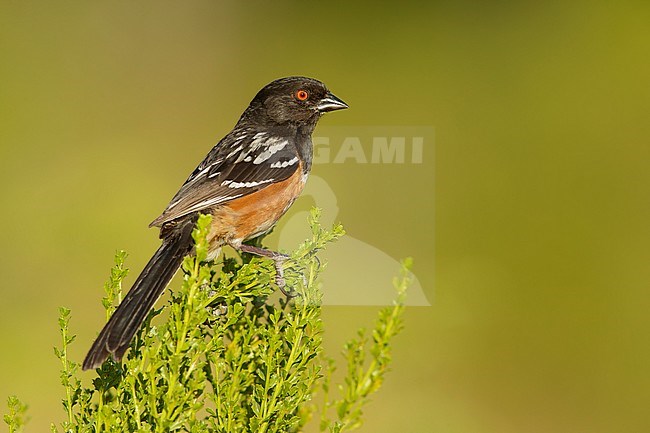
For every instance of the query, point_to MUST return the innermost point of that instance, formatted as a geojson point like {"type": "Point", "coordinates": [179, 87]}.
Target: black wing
{"type": "Point", "coordinates": [242, 163]}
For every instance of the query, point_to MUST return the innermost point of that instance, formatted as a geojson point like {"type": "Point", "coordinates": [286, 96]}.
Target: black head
{"type": "Point", "coordinates": [293, 100]}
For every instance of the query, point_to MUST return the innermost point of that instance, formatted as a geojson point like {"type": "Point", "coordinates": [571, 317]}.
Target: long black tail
{"type": "Point", "coordinates": [116, 336]}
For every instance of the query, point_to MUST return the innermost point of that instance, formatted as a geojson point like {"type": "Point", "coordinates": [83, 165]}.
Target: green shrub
{"type": "Point", "coordinates": [223, 357]}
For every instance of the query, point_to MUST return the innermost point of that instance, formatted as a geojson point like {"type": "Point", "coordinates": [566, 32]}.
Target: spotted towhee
{"type": "Point", "coordinates": [246, 182]}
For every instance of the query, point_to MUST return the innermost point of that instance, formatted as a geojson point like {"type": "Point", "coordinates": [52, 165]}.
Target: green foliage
{"type": "Point", "coordinates": [226, 358]}
{"type": "Point", "coordinates": [364, 376]}
{"type": "Point", "coordinates": [15, 419]}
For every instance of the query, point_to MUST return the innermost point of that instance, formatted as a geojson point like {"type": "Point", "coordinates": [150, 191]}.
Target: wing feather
{"type": "Point", "coordinates": [240, 164]}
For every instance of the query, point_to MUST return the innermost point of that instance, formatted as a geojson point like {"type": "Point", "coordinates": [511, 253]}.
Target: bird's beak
{"type": "Point", "coordinates": [330, 103]}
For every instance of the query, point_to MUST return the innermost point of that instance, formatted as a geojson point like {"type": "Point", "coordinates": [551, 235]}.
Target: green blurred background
{"type": "Point", "coordinates": [532, 206]}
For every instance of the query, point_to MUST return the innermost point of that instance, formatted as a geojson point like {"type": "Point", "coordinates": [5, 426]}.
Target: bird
{"type": "Point", "coordinates": [246, 182]}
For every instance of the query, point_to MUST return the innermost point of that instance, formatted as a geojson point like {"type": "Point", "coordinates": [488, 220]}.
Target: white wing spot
{"type": "Point", "coordinates": [232, 184]}
{"type": "Point", "coordinates": [235, 151]}
{"type": "Point", "coordinates": [259, 141]}
{"type": "Point", "coordinates": [283, 164]}
{"type": "Point", "coordinates": [202, 172]}
{"type": "Point", "coordinates": [270, 150]}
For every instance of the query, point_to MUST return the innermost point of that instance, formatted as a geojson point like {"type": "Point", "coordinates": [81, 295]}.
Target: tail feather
{"type": "Point", "coordinates": [115, 337]}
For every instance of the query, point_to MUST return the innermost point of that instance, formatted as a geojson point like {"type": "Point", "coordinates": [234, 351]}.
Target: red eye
{"type": "Point", "coordinates": [302, 95]}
